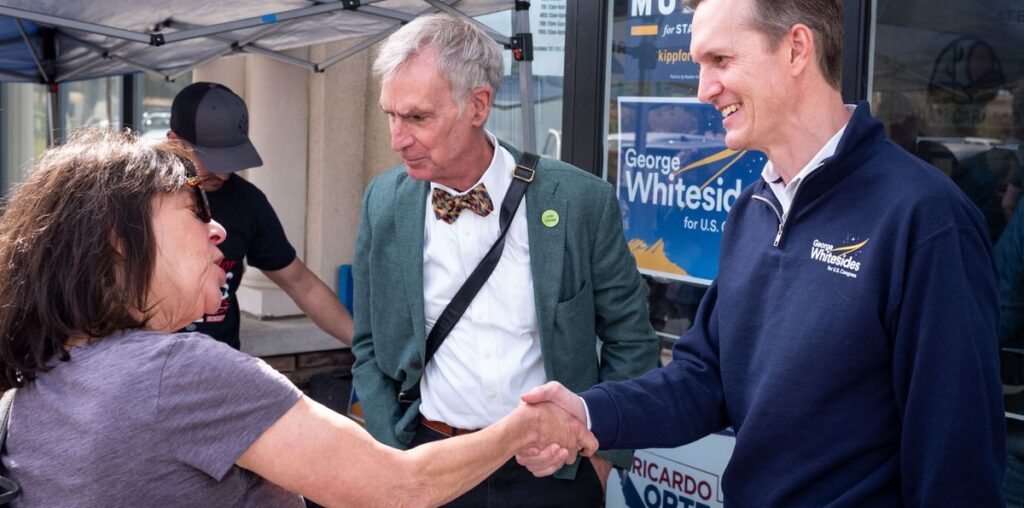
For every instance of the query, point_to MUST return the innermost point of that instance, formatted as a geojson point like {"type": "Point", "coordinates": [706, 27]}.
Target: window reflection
{"type": "Point", "coordinates": [157, 96]}
{"type": "Point", "coordinates": [547, 23]}
{"type": "Point", "coordinates": [91, 103]}
{"type": "Point", "coordinates": [948, 83]}
{"type": "Point", "coordinates": [23, 129]}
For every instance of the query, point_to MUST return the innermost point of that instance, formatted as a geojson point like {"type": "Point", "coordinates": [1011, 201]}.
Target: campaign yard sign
{"type": "Point", "coordinates": [686, 477]}
{"type": "Point", "coordinates": [676, 183]}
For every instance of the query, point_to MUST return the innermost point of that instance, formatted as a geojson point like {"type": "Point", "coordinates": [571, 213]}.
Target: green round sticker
{"type": "Point", "coordinates": [549, 218]}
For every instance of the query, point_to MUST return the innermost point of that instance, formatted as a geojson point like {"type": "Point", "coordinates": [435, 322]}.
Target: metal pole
{"type": "Point", "coordinates": [32, 51]}
{"type": "Point", "coordinates": [92, 63]}
{"type": "Point", "coordinates": [280, 57]}
{"type": "Point", "coordinates": [521, 25]}
{"type": "Point", "coordinates": [105, 53]}
{"type": "Point", "coordinates": [81, 26]}
{"type": "Point", "coordinates": [248, 45]}
{"type": "Point", "coordinates": [266, 19]}
{"type": "Point", "coordinates": [52, 115]}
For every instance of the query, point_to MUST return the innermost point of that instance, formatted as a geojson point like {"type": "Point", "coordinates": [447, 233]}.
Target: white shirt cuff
{"type": "Point", "coordinates": [586, 410]}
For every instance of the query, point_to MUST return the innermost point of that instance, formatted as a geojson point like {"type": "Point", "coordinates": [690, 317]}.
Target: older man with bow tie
{"type": "Point", "coordinates": [468, 295]}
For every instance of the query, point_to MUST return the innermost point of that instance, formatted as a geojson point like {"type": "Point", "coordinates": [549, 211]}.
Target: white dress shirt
{"type": "Point", "coordinates": [492, 355]}
{"type": "Point", "coordinates": [786, 192]}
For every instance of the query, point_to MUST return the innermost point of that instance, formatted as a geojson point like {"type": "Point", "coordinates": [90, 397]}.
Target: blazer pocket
{"type": "Point", "coordinates": [574, 348]}
{"type": "Point", "coordinates": [575, 317]}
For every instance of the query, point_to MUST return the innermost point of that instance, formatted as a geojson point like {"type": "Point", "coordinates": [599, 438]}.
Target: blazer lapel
{"type": "Point", "coordinates": [410, 206]}
{"type": "Point", "coordinates": [547, 246]}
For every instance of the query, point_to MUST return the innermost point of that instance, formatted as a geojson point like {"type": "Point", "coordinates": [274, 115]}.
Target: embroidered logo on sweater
{"type": "Point", "coordinates": [841, 260]}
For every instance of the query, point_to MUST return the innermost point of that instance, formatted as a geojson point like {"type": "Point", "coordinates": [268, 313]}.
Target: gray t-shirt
{"type": "Point", "coordinates": [146, 419]}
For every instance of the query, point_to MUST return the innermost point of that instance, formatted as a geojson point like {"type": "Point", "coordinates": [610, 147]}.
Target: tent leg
{"type": "Point", "coordinates": [521, 25]}
{"type": "Point", "coordinates": [52, 114]}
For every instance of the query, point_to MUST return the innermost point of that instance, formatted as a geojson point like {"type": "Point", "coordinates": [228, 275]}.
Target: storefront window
{"type": "Point", "coordinates": [547, 23]}
{"type": "Point", "coordinates": [23, 128]}
{"type": "Point", "coordinates": [947, 81]}
{"type": "Point", "coordinates": [156, 98]}
{"type": "Point", "coordinates": [91, 103]}
{"type": "Point", "coordinates": [676, 180]}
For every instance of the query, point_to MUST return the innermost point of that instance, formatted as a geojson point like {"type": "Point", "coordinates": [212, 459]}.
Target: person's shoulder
{"type": "Point", "coordinates": [902, 171]}
{"type": "Point", "coordinates": [389, 188]}
{"type": "Point", "coordinates": [572, 179]}
{"type": "Point", "coordinates": [560, 172]}
{"type": "Point", "coordinates": [901, 183]}
{"type": "Point", "coordinates": [390, 177]}
{"type": "Point", "coordinates": [144, 349]}
{"type": "Point", "coordinates": [200, 344]}
{"type": "Point", "coordinates": [197, 355]}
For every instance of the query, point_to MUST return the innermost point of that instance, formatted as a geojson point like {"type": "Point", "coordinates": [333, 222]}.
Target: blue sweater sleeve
{"type": "Point", "coordinates": [669, 406]}
{"type": "Point", "coordinates": [946, 373]}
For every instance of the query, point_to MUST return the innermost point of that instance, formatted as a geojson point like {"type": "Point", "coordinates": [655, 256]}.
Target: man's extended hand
{"type": "Point", "coordinates": [556, 438]}
{"type": "Point", "coordinates": [555, 393]}
{"type": "Point", "coordinates": [545, 460]}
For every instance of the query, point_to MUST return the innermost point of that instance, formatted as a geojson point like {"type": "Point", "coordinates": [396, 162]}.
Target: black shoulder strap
{"type": "Point", "coordinates": [9, 490]}
{"type": "Point", "coordinates": [522, 175]}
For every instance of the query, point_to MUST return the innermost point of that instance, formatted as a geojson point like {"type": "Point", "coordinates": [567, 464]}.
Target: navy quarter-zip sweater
{"type": "Point", "coordinates": [853, 348]}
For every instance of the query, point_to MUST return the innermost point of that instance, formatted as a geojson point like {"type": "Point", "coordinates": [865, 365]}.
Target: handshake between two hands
{"type": "Point", "coordinates": [557, 423]}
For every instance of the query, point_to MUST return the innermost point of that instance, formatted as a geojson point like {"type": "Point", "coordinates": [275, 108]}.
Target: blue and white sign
{"type": "Point", "coordinates": [656, 43]}
{"type": "Point", "coordinates": [676, 183]}
{"type": "Point", "coordinates": [686, 477]}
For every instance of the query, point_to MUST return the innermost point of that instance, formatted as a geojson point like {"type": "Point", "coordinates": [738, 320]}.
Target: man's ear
{"type": "Point", "coordinates": [480, 100]}
{"type": "Point", "coordinates": [802, 49]}
{"type": "Point", "coordinates": [172, 135]}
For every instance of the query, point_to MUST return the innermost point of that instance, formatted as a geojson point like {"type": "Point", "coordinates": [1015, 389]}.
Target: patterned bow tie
{"type": "Point", "coordinates": [448, 207]}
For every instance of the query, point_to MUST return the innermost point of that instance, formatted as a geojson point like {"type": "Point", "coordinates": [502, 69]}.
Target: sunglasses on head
{"type": "Point", "coordinates": [202, 204]}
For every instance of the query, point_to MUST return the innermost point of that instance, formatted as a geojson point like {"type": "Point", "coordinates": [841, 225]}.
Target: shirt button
{"type": "Point", "coordinates": [491, 396]}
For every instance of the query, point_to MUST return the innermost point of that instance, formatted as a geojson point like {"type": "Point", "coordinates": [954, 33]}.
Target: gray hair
{"type": "Point", "coordinates": [467, 57]}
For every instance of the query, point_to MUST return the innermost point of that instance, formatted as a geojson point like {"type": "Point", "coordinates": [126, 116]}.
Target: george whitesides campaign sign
{"type": "Point", "coordinates": [676, 183]}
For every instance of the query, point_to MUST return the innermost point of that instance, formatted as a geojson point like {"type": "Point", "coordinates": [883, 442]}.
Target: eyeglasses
{"type": "Point", "coordinates": [202, 204]}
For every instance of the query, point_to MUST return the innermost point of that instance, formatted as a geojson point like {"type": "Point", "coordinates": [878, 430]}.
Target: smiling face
{"type": "Point", "coordinates": [739, 74]}
{"type": "Point", "coordinates": [186, 275]}
{"type": "Point", "coordinates": [437, 142]}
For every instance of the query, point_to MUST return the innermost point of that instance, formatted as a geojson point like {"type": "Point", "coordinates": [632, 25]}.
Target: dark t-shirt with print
{"type": "Point", "coordinates": [254, 233]}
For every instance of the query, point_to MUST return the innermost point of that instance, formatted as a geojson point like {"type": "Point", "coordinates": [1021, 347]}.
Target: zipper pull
{"type": "Point", "coordinates": [778, 236]}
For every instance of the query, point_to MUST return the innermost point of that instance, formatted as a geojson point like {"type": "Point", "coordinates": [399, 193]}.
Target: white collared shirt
{"type": "Point", "coordinates": [492, 355]}
{"type": "Point", "coordinates": [786, 192]}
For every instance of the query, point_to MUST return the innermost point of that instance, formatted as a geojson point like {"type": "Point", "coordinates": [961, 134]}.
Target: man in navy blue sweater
{"type": "Point", "coordinates": [850, 339]}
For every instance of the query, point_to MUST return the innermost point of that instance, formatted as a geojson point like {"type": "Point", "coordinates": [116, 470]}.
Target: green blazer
{"type": "Point", "coordinates": [585, 282]}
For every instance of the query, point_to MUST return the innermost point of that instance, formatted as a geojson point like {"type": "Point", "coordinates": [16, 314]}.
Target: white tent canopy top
{"type": "Point", "coordinates": [101, 38]}
{"type": "Point", "coordinates": [54, 41]}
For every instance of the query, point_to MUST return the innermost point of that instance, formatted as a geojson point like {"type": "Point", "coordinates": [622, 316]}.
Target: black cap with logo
{"type": "Point", "coordinates": [215, 121]}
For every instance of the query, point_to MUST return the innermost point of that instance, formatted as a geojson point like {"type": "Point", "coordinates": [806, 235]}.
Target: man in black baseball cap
{"type": "Point", "coordinates": [214, 122]}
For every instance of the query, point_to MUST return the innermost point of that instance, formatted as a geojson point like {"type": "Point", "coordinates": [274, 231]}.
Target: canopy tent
{"type": "Point", "coordinates": [55, 41]}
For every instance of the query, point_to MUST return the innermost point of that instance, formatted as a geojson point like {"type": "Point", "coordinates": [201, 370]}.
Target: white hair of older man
{"type": "Point", "coordinates": [466, 56]}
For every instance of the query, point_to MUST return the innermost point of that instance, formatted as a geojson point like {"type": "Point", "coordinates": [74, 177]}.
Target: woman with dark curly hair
{"type": "Point", "coordinates": [106, 250]}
